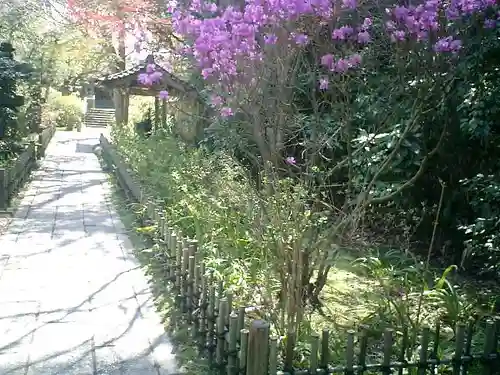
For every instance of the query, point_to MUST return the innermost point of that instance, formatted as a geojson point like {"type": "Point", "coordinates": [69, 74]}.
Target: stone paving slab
{"type": "Point", "coordinates": [73, 299]}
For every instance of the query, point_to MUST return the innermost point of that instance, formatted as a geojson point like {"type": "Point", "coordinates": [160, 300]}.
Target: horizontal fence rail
{"type": "Point", "coordinates": [14, 176]}
{"type": "Point", "coordinates": [44, 139]}
{"type": "Point", "coordinates": [235, 345]}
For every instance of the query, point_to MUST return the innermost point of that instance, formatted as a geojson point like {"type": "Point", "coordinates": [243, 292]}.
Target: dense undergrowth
{"type": "Point", "coordinates": [243, 233]}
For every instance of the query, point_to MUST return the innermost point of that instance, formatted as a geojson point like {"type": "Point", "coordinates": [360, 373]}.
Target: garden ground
{"type": "Point", "coordinates": [372, 285]}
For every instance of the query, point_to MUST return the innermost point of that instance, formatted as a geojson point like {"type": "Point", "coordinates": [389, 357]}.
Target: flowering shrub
{"type": "Point", "coordinates": [304, 85]}
{"type": "Point", "coordinates": [249, 57]}
{"type": "Point", "coordinates": [229, 44]}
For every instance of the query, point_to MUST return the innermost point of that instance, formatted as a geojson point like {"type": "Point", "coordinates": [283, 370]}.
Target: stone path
{"type": "Point", "coordinates": [72, 297]}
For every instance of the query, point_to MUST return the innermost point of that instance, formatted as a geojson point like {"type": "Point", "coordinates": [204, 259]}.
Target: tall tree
{"type": "Point", "coordinates": [126, 26]}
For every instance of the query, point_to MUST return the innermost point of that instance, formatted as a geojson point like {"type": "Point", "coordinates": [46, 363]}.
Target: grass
{"type": "Point", "coordinates": [347, 297]}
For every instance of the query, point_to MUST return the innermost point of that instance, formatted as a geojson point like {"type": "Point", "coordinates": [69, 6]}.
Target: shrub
{"type": "Point", "coordinates": [66, 111]}
{"type": "Point", "coordinates": [251, 239]}
{"type": "Point", "coordinates": [9, 150]}
{"type": "Point", "coordinates": [481, 229]}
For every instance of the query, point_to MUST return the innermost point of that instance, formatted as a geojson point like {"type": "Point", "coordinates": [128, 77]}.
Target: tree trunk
{"type": "Point", "coordinates": [121, 96]}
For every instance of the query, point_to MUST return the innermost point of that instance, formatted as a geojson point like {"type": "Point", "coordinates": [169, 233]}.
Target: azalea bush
{"type": "Point", "coordinates": [357, 110]}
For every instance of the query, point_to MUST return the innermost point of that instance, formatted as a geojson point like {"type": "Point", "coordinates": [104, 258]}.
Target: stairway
{"type": "Point", "coordinates": [99, 117]}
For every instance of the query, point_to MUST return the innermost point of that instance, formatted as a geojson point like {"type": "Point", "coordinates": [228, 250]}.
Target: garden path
{"type": "Point", "coordinates": [73, 299]}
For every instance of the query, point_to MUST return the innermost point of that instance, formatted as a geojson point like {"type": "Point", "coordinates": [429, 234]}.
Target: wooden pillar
{"type": "Point", "coordinates": [164, 113]}
{"type": "Point", "coordinates": [157, 113]}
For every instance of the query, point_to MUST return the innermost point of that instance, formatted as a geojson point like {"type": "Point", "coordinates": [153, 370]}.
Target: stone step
{"type": "Point", "coordinates": [99, 118]}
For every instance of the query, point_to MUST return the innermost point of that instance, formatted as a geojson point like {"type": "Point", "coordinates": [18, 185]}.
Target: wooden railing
{"type": "Point", "coordinates": [13, 176]}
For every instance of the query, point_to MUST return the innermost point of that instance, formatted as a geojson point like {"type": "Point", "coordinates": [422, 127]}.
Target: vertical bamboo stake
{"type": "Point", "coordinates": [258, 348]}
{"type": "Point", "coordinates": [197, 282]}
{"type": "Point", "coordinates": [203, 305]}
{"type": "Point", "coordinates": [459, 348]}
{"type": "Point", "coordinates": [468, 344]}
{"type": "Point", "coordinates": [489, 348]}
{"type": "Point", "coordinates": [184, 278]}
{"type": "Point", "coordinates": [220, 292]}
{"type": "Point", "coordinates": [350, 353]}
{"type": "Point", "coordinates": [178, 263]}
{"type": "Point", "coordinates": [313, 358]}
{"type": "Point", "coordinates": [497, 325]}
{"type": "Point", "coordinates": [198, 260]}
{"type": "Point", "coordinates": [167, 231]}
{"type": "Point", "coordinates": [243, 350]}
{"type": "Point", "coordinates": [211, 321]}
{"type": "Point", "coordinates": [173, 255]}
{"type": "Point", "coordinates": [241, 319]}
{"type": "Point", "coordinates": [325, 349]}
{"type": "Point", "coordinates": [168, 261]}
{"type": "Point", "coordinates": [289, 352]}
{"type": "Point", "coordinates": [221, 329]}
{"type": "Point", "coordinates": [149, 211]}
{"type": "Point", "coordinates": [195, 275]}
{"type": "Point", "coordinates": [402, 353]}
{"type": "Point", "coordinates": [273, 355]}
{"type": "Point", "coordinates": [363, 348]}
{"type": "Point", "coordinates": [229, 297]}
{"type": "Point", "coordinates": [157, 213]}
{"type": "Point", "coordinates": [203, 280]}
{"type": "Point", "coordinates": [161, 225]}
{"type": "Point", "coordinates": [166, 236]}
{"type": "Point", "coordinates": [190, 292]}
{"type": "Point", "coordinates": [388, 343]}
{"type": "Point", "coordinates": [424, 347]}
{"type": "Point", "coordinates": [232, 360]}
{"type": "Point", "coordinates": [193, 247]}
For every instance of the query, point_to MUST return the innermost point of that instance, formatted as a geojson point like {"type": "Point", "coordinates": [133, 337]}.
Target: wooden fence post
{"type": "Point", "coordinates": [4, 194]}
{"type": "Point", "coordinates": [40, 149]}
{"type": "Point", "coordinates": [258, 348]}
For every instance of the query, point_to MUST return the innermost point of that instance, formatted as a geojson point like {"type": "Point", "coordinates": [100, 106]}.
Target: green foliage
{"type": "Point", "coordinates": [199, 193]}
{"type": "Point", "coordinates": [9, 100]}
{"type": "Point", "coordinates": [9, 149]}
{"type": "Point", "coordinates": [388, 138]}
{"type": "Point", "coordinates": [403, 151]}
{"type": "Point", "coordinates": [481, 231]}
{"type": "Point", "coordinates": [65, 111]}
{"type": "Point", "coordinates": [246, 235]}
{"type": "Point", "coordinates": [242, 233]}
